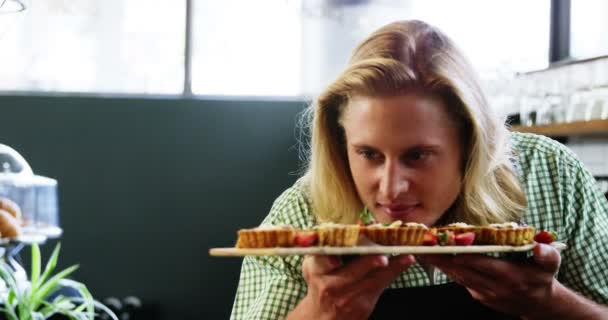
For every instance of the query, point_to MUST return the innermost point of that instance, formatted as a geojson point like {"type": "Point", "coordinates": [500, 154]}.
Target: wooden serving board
{"type": "Point", "coordinates": [371, 249]}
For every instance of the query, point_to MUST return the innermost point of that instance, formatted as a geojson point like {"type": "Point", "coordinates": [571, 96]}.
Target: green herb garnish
{"type": "Point", "coordinates": [366, 217]}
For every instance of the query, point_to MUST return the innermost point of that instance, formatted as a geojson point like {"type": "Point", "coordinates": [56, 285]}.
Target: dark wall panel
{"type": "Point", "coordinates": [147, 186]}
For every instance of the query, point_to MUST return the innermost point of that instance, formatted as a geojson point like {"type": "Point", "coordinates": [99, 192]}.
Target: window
{"type": "Point", "coordinates": [243, 47]}
{"type": "Point", "coordinates": [588, 28]}
{"type": "Point", "coordinates": [489, 37]}
{"type": "Point", "coordinates": [110, 46]}
{"type": "Point", "coordinates": [286, 47]}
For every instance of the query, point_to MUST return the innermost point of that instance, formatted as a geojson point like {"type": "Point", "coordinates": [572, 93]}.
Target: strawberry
{"type": "Point", "coordinates": [446, 238]}
{"type": "Point", "coordinates": [429, 239]}
{"type": "Point", "coordinates": [464, 239]}
{"type": "Point", "coordinates": [545, 237]}
{"type": "Point", "coordinates": [306, 238]}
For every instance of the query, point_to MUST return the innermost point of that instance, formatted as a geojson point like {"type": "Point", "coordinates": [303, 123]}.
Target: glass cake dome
{"type": "Point", "coordinates": [35, 195]}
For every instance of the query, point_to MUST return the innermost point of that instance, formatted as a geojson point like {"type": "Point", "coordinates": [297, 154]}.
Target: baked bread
{"type": "Point", "coordinates": [11, 207]}
{"type": "Point", "coordinates": [396, 233]}
{"type": "Point", "coordinates": [9, 225]}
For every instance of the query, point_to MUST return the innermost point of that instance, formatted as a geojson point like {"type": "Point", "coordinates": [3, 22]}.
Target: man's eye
{"type": "Point", "coordinates": [417, 155]}
{"type": "Point", "coordinates": [369, 154]}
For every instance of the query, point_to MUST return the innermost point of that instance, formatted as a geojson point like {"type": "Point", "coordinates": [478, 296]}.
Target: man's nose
{"type": "Point", "coordinates": [393, 182]}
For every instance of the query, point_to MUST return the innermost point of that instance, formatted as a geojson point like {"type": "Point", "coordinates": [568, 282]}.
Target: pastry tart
{"type": "Point", "coordinates": [504, 234]}
{"type": "Point", "coordinates": [396, 233]}
{"type": "Point", "coordinates": [337, 235]}
{"type": "Point", "coordinates": [266, 237]}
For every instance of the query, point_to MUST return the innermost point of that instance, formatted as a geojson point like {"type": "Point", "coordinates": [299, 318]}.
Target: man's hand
{"type": "Point", "coordinates": [346, 291]}
{"type": "Point", "coordinates": [519, 288]}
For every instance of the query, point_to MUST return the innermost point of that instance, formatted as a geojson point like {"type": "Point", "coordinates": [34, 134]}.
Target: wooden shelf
{"type": "Point", "coordinates": [567, 129]}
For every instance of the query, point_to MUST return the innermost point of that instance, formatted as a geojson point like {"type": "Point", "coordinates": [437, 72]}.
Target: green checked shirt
{"type": "Point", "coordinates": [562, 196]}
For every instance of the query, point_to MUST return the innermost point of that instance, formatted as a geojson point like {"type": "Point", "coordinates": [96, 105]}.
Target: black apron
{"type": "Point", "coordinates": [444, 301]}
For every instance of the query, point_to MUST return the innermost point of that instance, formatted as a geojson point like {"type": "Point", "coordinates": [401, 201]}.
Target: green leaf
{"type": "Point", "coordinates": [50, 265]}
{"type": "Point", "coordinates": [87, 297]}
{"type": "Point", "coordinates": [442, 237]}
{"type": "Point", "coordinates": [24, 312]}
{"type": "Point", "coordinates": [30, 303]}
{"type": "Point", "coordinates": [553, 235]}
{"type": "Point", "coordinates": [367, 217]}
{"type": "Point", "coordinates": [49, 308]}
{"type": "Point", "coordinates": [35, 267]}
{"type": "Point", "coordinates": [101, 307]}
{"type": "Point", "coordinates": [10, 312]}
{"type": "Point", "coordinates": [45, 289]}
{"type": "Point", "coordinates": [10, 298]}
{"type": "Point", "coordinates": [6, 273]}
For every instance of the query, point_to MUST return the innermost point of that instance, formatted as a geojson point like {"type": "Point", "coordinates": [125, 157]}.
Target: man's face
{"type": "Point", "coordinates": [405, 156]}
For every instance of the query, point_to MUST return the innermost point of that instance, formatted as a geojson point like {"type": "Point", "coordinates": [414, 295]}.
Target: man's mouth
{"type": "Point", "coordinates": [399, 211]}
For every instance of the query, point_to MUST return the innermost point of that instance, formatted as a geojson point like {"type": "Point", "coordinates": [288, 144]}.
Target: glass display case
{"type": "Point", "coordinates": [34, 195]}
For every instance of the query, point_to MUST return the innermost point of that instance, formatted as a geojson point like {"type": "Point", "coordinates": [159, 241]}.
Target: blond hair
{"type": "Point", "coordinates": [404, 57]}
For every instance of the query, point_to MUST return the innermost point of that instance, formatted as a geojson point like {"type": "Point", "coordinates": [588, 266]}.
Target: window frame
{"type": "Point", "coordinates": [559, 31]}
{"type": "Point", "coordinates": [559, 44]}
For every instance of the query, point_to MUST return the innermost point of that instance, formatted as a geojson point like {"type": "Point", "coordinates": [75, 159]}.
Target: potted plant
{"type": "Point", "coordinates": [36, 299]}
